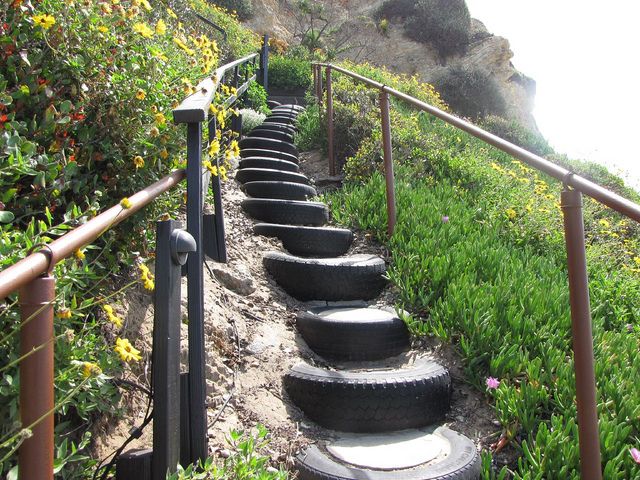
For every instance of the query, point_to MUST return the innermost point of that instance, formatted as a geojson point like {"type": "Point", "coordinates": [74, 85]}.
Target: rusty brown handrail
{"type": "Point", "coordinates": [29, 268]}
{"type": "Point", "coordinates": [571, 203]}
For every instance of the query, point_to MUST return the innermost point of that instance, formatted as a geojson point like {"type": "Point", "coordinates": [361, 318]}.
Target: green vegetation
{"type": "Point", "coordinates": [86, 93]}
{"type": "Point", "coordinates": [516, 133]}
{"type": "Point", "coordinates": [478, 259]}
{"type": "Point", "coordinates": [242, 8]}
{"type": "Point", "coordinates": [444, 24]}
{"type": "Point", "coordinates": [289, 72]}
{"type": "Point", "coordinates": [245, 462]}
{"type": "Point", "coordinates": [470, 92]}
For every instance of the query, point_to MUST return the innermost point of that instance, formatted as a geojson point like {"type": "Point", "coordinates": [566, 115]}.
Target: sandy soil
{"type": "Point", "coordinates": [251, 343]}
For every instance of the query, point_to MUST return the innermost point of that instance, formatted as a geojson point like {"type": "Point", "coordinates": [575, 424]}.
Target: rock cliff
{"type": "Point", "coordinates": [355, 24]}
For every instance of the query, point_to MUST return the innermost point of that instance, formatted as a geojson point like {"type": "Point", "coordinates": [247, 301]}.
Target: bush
{"type": "Point", "coordinates": [470, 92]}
{"type": "Point", "coordinates": [311, 130]}
{"type": "Point", "coordinates": [251, 119]}
{"type": "Point", "coordinates": [242, 8]}
{"type": "Point", "coordinates": [445, 24]}
{"type": "Point", "coordinates": [289, 72]}
{"type": "Point", "coordinates": [257, 98]}
{"type": "Point", "coordinates": [517, 133]}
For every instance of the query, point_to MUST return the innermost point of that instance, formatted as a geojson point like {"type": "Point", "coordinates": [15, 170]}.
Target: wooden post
{"type": "Point", "coordinates": [388, 161]}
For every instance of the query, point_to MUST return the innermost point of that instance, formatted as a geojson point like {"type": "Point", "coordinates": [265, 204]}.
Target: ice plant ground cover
{"type": "Point", "coordinates": [86, 94]}
{"type": "Point", "coordinates": [492, 278]}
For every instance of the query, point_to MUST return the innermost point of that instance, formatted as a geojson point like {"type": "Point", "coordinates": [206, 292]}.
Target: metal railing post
{"type": "Point", "coordinates": [590, 463]}
{"type": "Point", "coordinates": [388, 161]}
{"type": "Point", "coordinates": [172, 248]}
{"type": "Point", "coordinates": [320, 86]}
{"type": "Point", "coordinates": [195, 302]}
{"type": "Point", "coordinates": [35, 456]}
{"type": "Point", "coordinates": [331, 153]}
{"type": "Point", "coordinates": [314, 71]}
{"type": "Point", "coordinates": [264, 63]}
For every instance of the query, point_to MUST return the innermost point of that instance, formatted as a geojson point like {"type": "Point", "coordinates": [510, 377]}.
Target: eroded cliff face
{"type": "Point", "coordinates": [355, 24]}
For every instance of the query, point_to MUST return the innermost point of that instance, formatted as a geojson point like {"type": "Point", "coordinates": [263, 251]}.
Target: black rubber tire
{"type": "Point", "coordinates": [281, 119]}
{"type": "Point", "coordinates": [264, 152]}
{"type": "Point", "coordinates": [267, 174]}
{"type": "Point", "coordinates": [360, 333]}
{"type": "Point", "coordinates": [356, 277]}
{"type": "Point", "coordinates": [273, 104]}
{"type": "Point", "coordinates": [463, 463]}
{"type": "Point", "coordinates": [276, 126]}
{"type": "Point", "coordinates": [289, 106]}
{"type": "Point", "coordinates": [269, 144]}
{"type": "Point", "coordinates": [266, 162]}
{"type": "Point", "coordinates": [371, 401]}
{"type": "Point", "coordinates": [273, 134]}
{"type": "Point", "coordinates": [279, 190]}
{"type": "Point", "coordinates": [309, 241]}
{"type": "Point", "coordinates": [289, 116]}
{"type": "Point", "coordinates": [289, 212]}
{"type": "Point", "coordinates": [278, 122]}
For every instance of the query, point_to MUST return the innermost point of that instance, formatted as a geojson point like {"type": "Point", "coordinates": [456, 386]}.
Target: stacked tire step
{"type": "Point", "coordinates": [389, 419]}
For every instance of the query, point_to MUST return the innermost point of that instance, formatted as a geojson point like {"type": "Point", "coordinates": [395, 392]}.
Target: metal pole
{"type": "Point", "coordinates": [35, 456]}
{"type": "Point", "coordinates": [320, 99]}
{"type": "Point", "coordinates": [314, 70]}
{"type": "Point", "coordinates": [264, 62]}
{"type": "Point", "coordinates": [388, 161]}
{"type": "Point", "coordinates": [219, 233]}
{"type": "Point", "coordinates": [195, 302]}
{"type": "Point", "coordinates": [172, 247]}
{"type": "Point", "coordinates": [332, 158]}
{"type": "Point", "coordinates": [590, 464]}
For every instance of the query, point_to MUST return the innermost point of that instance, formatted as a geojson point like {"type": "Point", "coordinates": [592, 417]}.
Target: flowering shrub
{"type": "Point", "coordinates": [86, 94]}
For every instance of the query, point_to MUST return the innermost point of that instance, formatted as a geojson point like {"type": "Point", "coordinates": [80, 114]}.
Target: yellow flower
{"type": "Point", "coordinates": [161, 27]}
{"type": "Point", "coordinates": [146, 5]}
{"type": "Point", "coordinates": [45, 21]}
{"type": "Point", "coordinates": [90, 370]}
{"type": "Point", "coordinates": [604, 223]}
{"type": "Point", "coordinates": [103, 29]}
{"type": "Point", "coordinates": [126, 351]}
{"type": "Point", "coordinates": [79, 254]}
{"type": "Point", "coordinates": [160, 118]}
{"type": "Point", "coordinates": [171, 13]}
{"type": "Point", "coordinates": [223, 173]}
{"type": "Point", "coordinates": [164, 154]}
{"type": "Point", "coordinates": [132, 12]}
{"type": "Point", "coordinates": [511, 213]}
{"type": "Point", "coordinates": [138, 161]}
{"type": "Point", "coordinates": [125, 203]}
{"type": "Point", "coordinates": [143, 30]}
{"type": "Point", "coordinates": [235, 148]}
{"type": "Point", "coordinates": [113, 318]}
{"type": "Point", "coordinates": [64, 313]}
{"type": "Point", "coordinates": [146, 277]}
{"type": "Point", "coordinates": [141, 94]}
{"type": "Point", "coordinates": [214, 148]}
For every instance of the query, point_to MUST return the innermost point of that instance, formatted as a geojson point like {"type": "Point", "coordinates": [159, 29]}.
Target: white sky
{"type": "Point", "coordinates": [585, 58]}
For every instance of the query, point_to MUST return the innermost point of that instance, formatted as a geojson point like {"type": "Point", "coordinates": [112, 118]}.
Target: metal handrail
{"type": "Point", "coordinates": [571, 204]}
{"type": "Point", "coordinates": [196, 106]}
{"type": "Point", "coordinates": [597, 192]}
{"type": "Point", "coordinates": [21, 273]}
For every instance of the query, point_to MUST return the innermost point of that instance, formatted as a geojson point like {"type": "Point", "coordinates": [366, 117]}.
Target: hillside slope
{"type": "Point", "coordinates": [356, 26]}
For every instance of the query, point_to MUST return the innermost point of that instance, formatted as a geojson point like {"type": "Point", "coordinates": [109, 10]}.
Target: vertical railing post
{"type": "Point", "coordinates": [331, 153]}
{"type": "Point", "coordinates": [314, 71]}
{"type": "Point", "coordinates": [590, 463]}
{"type": "Point", "coordinates": [264, 63]}
{"type": "Point", "coordinates": [214, 236]}
{"type": "Point", "coordinates": [320, 86]}
{"type": "Point", "coordinates": [35, 456]}
{"type": "Point", "coordinates": [388, 161]}
{"type": "Point", "coordinates": [195, 302]}
{"type": "Point", "coordinates": [172, 247]}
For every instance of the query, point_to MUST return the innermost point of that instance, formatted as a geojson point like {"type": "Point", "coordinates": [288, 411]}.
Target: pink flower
{"type": "Point", "coordinates": [635, 454]}
{"type": "Point", "coordinates": [492, 383]}
{"type": "Point", "coordinates": [445, 219]}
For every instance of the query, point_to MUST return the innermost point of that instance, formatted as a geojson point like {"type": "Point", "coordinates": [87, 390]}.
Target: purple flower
{"type": "Point", "coordinates": [445, 219]}
{"type": "Point", "coordinates": [492, 383]}
{"type": "Point", "coordinates": [629, 327]}
{"type": "Point", "coordinates": [635, 454]}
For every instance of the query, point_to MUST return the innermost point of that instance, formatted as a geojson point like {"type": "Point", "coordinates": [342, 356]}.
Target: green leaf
{"type": "Point", "coordinates": [66, 107]}
{"type": "Point", "coordinates": [6, 217]}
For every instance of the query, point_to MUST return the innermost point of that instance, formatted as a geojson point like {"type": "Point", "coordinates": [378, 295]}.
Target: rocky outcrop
{"type": "Point", "coordinates": [394, 50]}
